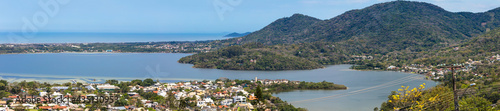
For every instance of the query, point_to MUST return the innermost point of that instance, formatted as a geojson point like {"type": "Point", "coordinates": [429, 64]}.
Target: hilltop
{"type": "Point", "coordinates": [384, 27]}
{"type": "Point", "coordinates": [235, 34]}
{"type": "Point", "coordinates": [399, 30]}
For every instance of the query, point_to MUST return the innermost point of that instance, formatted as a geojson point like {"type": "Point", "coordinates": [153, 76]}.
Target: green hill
{"type": "Point", "coordinates": [402, 32]}
{"type": "Point", "coordinates": [383, 27]}
{"type": "Point", "coordinates": [252, 56]}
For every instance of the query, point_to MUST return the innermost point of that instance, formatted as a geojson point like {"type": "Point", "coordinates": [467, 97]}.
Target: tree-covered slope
{"type": "Point", "coordinates": [383, 27]}
{"type": "Point", "coordinates": [252, 56]}
{"type": "Point", "coordinates": [401, 32]}
{"type": "Point", "coordinates": [478, 48]}
{"type": "Point", "coordinates": [284, 30]}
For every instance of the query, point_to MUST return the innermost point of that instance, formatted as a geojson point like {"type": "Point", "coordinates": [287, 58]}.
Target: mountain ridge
{"type": "Point", "coordinates": [390, 26]}
{"type": "Point", "coordinates": [404, 30]}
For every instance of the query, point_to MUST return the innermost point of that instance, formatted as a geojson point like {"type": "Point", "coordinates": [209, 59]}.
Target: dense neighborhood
{"type": "Point", "coordinates": [221, 94]}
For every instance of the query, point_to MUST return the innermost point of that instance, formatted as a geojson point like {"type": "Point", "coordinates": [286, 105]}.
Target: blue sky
{"type": "Point", "coordinates": [182, 16]}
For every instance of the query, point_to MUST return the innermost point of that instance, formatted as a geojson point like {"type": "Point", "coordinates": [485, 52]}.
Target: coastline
{"type": "Point", "coordinates": [397, 71]}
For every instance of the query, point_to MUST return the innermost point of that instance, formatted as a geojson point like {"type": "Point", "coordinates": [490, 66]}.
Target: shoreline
{"type": "Point", "coordinates": [398, 71]}
{"type": "Point", "coordinates": [346, 88]}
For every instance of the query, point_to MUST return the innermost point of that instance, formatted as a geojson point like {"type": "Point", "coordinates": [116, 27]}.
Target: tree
{"type": "Point", "coordinates": [474, 103]}
{"type": "Point", "coordinates": [148, 82]}
{"type": "Point", "coordinates": [4, 94]}
{"type": "Point", "coordinates": [113, 81]}
{"type": "Point", "coordinates": [2, 86]}
{"type": "Point", "coordinates": [136, 82]}
{"type": "Point", "coordinates": [121, 102]}
{"type": "Point", "coordinates": [258, 93]}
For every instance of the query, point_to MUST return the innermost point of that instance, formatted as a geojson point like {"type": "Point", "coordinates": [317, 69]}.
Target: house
{"type": "Point", "coordinates": [107, 87]}
{"type": "Point", "coordinates": [60, 107]}
{"type": "Point", "coordinates": [226, 102]}
{"type": "Point", "coordinates": [245, 105]}
{"type": "Point", "coordinates": [162, 93]}
{"type": "Point", "coordinates": [252, 97]}
{"type": "Point", "coordinates": [119, 108]}
{"type": "Point", "coordinates": [59, 88]}
{"type": "Point", "coordinates": [5, 109]}
{"type": "Point", "coordinates": [205, 102]}
{"type": "Point", "coordinates": [391, 67]}
{"type": "Point", "coordinates": [57, 94]}
{"type": "Point", "coordinates": [3, 102]}
{"type": "Point", "coordinates": [89, 87]}
{"type": "Point", "coordinates": [157, 84]}
{"type": "Point", "coordinates": [239, 99]}
{"type": "Point", "coordinates": [179, 95]}
{"type": "Point", "coordinates": [43, 93]}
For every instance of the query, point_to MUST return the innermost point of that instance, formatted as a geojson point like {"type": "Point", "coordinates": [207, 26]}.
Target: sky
{"type": "Point", "coordinates": [181, 16]}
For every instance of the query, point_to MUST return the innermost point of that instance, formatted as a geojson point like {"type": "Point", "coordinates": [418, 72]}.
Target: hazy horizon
{"type": "Point", "coordinates": [211, 16]}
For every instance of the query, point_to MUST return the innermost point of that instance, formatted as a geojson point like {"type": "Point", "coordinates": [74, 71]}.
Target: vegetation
{"type": "Point", "coordinates": [234, 34]}
{"type": "Point", "coordinates": [396, 33]}
{"type": "Point", "coordinates": [477, 49]}
{"type": "Point", "coordinates": [144, 47]}
{"type": "Point", "coordinates": [263, 92]}
{"type": "Point", "coordinates": [253, 56]}
{"type": "Point", "coordinates": [381, 28]}
{"type": "Point", "coordinates": [304, 86]}
{"type": "Point", "coordinates": [439, 98]}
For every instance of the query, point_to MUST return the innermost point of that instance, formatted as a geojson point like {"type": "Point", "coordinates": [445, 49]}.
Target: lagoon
{"type": "Point", "coordinates": [366, 89]}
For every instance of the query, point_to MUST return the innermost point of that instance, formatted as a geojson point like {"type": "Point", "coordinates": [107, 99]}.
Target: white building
{"type": "Point", "coordinates": [107, 87]}
{"type": "Point", "coordinates": [226, 102]}
{"type": "Point", "coordinates": [205, 102]}
{"type": "Point", "coordinates": [240, 99]}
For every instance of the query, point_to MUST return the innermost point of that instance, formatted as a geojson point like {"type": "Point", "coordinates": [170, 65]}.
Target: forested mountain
{"type": "Point", "coordinates": [401, 32]}
{"type": "Point", "coordinates": [382, 28]}
{"type": "Point", "coordinates": [284, 30]}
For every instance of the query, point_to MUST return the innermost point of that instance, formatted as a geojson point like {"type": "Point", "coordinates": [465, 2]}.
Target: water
{"type": "Point", "coordinates": [66, 37]}
{"type": "Point", "coordinates": [367, 89]}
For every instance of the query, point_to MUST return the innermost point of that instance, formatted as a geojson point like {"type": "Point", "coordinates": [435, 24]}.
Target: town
{"type": "Point", "coordinates": [138, 95]}
{"type": "Point", "coordinates": [144, 47]}
{"type": "Point", "coordinates": [438, 72]}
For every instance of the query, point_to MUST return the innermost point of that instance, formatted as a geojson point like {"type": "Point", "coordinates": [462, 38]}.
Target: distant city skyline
{"type": "Point", "coordinates": [162, 16]}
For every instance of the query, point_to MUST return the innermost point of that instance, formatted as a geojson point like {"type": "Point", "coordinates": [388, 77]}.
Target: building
{"type": "Point", "coordinates": [226, 102]}
{"type": "Point", "coordinates": [107, 87]}
{"type": "Point", "coordinates": [239, 99]}
{"type": "Point", "coordinates": [205, 102]}
{"type": "Point", "coordinates": [3, 102]}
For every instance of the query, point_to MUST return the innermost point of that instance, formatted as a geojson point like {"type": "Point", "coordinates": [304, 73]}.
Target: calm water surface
{"type": "Point", "coordinates": [367, 89]}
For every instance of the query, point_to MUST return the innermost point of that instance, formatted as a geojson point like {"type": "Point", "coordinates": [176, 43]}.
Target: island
{"type": "Point", "coordinates": [235, 34]}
